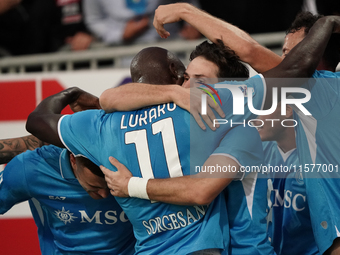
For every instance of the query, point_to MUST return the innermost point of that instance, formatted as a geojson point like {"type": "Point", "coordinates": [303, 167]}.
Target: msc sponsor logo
{"type": "Point", "coordinates": [99, 217]}
{"type": "Point", "coordinates": [296, 201]}
{"type": "Point", "coordinates": [65, 216]}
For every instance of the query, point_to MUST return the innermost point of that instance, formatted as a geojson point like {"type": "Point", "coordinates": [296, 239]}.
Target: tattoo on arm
{"type": "Point", "coordinates": [9, 148]}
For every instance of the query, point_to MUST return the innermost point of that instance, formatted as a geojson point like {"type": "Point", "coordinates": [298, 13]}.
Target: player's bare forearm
{"type": "Point", "coordinates": [199, 189]}
{"type": "Point", "coordinates": [185, 190]}
{"type": "Point", "coordinates": [9, 148]}
{"type": "Point", "coordinates": [335, 248]}
{"type": "Point", "coordinates": [135, 96]}
{"type": "Point", "coordinates": [43, 121]}
{"type": "Point", "coordinates": [6, 5]}
{"type": "Point", "coordinates": [238, 40]}
{"type": "Point", "coordinates": [249, 51]}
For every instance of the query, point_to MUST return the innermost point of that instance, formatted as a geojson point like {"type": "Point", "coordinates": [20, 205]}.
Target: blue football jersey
{"type": "Point", "coordinates": [158, 142]}
{"type": "Point", "coordinates": [289, 205]}
{"type": "Point", "coordinates": [246, 197]}
{"type": "Point", "coordinates": [317, 139]}
{"type": "Point", "coordinates": [318, 145]}
{"type": "Point", "coordinates": [69, 221]}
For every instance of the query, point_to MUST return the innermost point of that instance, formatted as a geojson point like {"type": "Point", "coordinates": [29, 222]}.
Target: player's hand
{"type": "Point", "coordinates": [117, 181]}
{"type": "Point", "coordinates": [165, 14]}
{"type": "Point", "coordinates": [85, 101]}
{"type": "Point", "coordinates": [190, 99]}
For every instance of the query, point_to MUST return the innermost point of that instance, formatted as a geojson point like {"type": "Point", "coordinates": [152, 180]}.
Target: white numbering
{"type": "Point", "coordinates": [138, 137]}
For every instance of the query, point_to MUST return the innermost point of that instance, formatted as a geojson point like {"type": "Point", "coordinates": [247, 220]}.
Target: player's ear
{"type": "Point", "coordinates": [289, 112]}
{"type": "Point", "coordinates": [176, 74]}
{"type": "Point", "coordinates": [73, 161]}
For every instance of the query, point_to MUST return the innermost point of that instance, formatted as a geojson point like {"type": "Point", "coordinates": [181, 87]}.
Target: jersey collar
{"type": "Point", "coordinates": [65, 166]}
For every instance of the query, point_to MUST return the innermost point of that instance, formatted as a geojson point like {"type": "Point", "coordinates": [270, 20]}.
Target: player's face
{"type": "Point", "coordinates": [272, 130]}
{"type": "Point", "coordinates": [291, 40]}
{"type": "Point", "coordinates": [94, 185]}
{"type": "Point", "coordinates": [202, 70]}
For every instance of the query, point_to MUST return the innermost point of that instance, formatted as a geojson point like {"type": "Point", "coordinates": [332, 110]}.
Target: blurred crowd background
{"type": "Point", "coordinates": [43, 26]}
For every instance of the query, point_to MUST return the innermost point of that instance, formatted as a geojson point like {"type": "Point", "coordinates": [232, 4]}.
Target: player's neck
{"type": "Point", "coordinates": [286, 141]}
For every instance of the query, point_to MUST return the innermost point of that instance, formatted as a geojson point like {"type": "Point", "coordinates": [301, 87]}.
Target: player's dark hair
{"type": "Point", "coordinates": [91, 166]}
{"type": "Point", "coordinates": [305, 20]}
{"type": "Point", "coordinates": [227, 61]}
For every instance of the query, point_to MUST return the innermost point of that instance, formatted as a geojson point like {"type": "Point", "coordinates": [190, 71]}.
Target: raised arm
{"type": "Point", "coordinates": [6, 5]}
{"type": "Point", "coordinates": [302, 60]}
{"type": "Point", "coordinates": [43, 121]}
{"type": "Point", "coordinates": [9, 148]}
{"type": "Point", "coordinates": [249, 51]}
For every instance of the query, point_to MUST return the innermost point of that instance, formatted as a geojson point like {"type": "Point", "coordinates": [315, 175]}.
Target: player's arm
{"type": "Point", "coordinates": [200, 189]}
{"type": "Point", "coordinates": [9, 148]}
{"type": "Point", "coordinates": [6, 5]}
{"type": "Point", "coordinates": [303, 59]}
{"type": "Point", "coordinates": [13, 184]}
{"type": "Point", "coordinates": [241, 146]}
{"type": "Point", "coordinates": [134, 96]}
{"type": "Point", "coordinates": [249, 51]}
{"type": "Point", "coordinates": [43, 121]}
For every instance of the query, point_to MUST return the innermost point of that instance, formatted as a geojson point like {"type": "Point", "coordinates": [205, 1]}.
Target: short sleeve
{"type": "Point", "coordinates": [13, 184]}
{"type": "Point", "coordinates": [78, 132]}
{"type": "Point", "coordinates": [243, 144]}
{"type": "Point", "coordinates": [324, 88]}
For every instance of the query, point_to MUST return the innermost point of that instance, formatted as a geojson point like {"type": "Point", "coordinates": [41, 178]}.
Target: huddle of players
{"type": "Point", "coordinates": [164, 228]}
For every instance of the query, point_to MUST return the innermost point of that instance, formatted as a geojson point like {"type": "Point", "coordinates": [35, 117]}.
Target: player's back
{"type": "Point", "coordinates": [161, 141]}
{"type": "Point", "coordinates": [154, 143]}
{"type": "Point", "coordinates": [62, 209]}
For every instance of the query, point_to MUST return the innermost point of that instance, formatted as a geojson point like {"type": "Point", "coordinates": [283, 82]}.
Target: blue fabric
{"type": "Point", "coordinates": [318, 143]}
{"type": "Point", "coordinates": [140, 140]}
{"type": "Point", "coordinates": [246, 198]}
{"type": "Point", "coordinates": [69, 221]}
{"type": "Point", "coordinates": [290, 208]}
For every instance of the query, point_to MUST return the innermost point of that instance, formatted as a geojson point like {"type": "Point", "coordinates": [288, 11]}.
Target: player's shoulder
{"type": "Point", "coordinates": [326, 74]}
{"type": "Point", "coordinates": [40, 159]}
{"type": "Point", "coordinates": [86, 115]}
{"type": "Point", "coordinates": [47, 152]}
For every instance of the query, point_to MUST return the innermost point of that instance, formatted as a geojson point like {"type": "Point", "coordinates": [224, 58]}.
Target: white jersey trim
{"type": "Point", "coordinates": [59, 133]}
{"type": "Point", "coordinates": [309, 124]}
{"type": "Point", "coordinates": [39, 210]}
{"type": "Point", "coordinates": [60, 168]}
{"type": "Point", "coordinates": [249, 184]}
{"type": "Point", "coordinates": [285, 155]}
{"type": "Point", "coordinates": [235, 159]}
{"type": "Point", "coordinates": [62, 140]}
